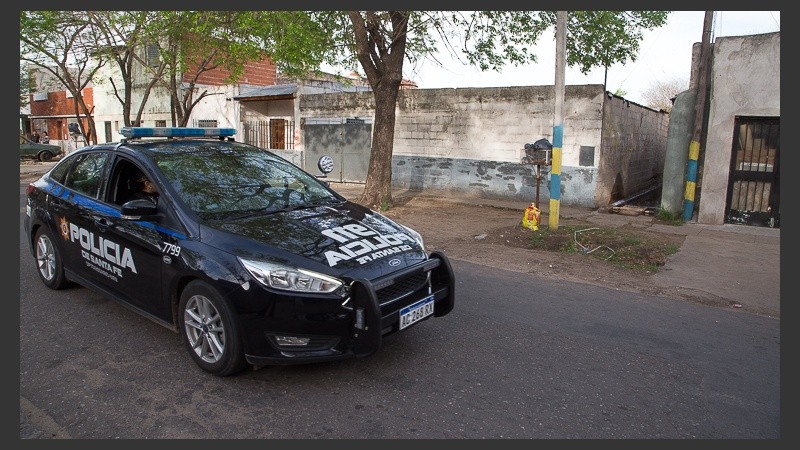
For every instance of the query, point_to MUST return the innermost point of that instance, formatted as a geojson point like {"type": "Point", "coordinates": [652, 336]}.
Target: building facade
{"type": "Point", "coordinates": [740, 181]}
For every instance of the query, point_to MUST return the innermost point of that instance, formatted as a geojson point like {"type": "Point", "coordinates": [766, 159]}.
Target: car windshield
{"type": "Point", "coordinates": [224, 179]}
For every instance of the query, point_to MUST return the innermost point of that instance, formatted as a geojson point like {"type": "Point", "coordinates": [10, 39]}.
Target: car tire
{"type": "Point", "coordinates": [45, 156]}
{"type": "Point", "coordinates": [49, 264]}
{"type": "Point", "coordinates": [209, 330]}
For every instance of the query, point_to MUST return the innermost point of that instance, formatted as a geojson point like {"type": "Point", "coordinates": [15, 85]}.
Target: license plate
{"type": "Point", "coordinates": [412, 314]}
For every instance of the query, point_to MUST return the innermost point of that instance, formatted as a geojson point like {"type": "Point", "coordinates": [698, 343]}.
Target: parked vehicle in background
{"type": "Point", "coordinates": [251, 259]}
{"type": "Point", "coordinates": [35, 150]}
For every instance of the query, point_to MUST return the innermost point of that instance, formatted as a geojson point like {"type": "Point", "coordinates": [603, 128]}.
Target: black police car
{"type": "Point", "coordinates": [249, 258]}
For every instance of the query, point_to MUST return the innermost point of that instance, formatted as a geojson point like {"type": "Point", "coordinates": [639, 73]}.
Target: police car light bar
{"type": "Point", "coordinates": [140, 132]}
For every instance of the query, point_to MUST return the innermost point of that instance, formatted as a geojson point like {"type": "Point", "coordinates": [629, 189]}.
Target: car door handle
{"type": "Point", "coordinates": [103, 223]}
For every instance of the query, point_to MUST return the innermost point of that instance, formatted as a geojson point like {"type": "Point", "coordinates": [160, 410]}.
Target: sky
{"type": "Point", "coordinates": [664, 54]}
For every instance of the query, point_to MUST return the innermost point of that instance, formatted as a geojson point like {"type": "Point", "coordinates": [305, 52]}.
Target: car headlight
{"type": "Point", "coordinates": [290, 278]}
{"type": "Point", "coordinates": [416, 236]}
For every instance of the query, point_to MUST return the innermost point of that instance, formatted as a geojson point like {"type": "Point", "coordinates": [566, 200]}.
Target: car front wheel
{"type": "Point", "coordinates": [209, 330]}
{"type": "Point", "coordinates": [49, 264]}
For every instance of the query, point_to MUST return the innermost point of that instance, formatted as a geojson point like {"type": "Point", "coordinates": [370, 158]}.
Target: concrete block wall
{"type": "Point", "coordinates": [633, 149]}
{"type": "Point", "coordinates": [492, 124]}
{"type": "Point", "coordinates": [338, 104]}
{"type": "Point", "coordinates": [483, 179]}
{"type": "Point", "coordinates": [470, 140]}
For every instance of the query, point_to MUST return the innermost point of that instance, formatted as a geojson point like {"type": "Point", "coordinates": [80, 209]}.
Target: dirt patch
{"type": "Point", "coordinates": [619, 258]}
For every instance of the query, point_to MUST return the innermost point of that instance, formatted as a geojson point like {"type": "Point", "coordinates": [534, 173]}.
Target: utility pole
{"type": "Point", "coordinates": [699, 116]}
{"type": "Point", "coordinates": [558, 127]}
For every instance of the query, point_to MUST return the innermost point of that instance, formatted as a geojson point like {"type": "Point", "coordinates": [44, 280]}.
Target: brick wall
{"type": "Point", "coordinates": [259, 73]}
{"type": "Point", "coordinates": [57, 103]}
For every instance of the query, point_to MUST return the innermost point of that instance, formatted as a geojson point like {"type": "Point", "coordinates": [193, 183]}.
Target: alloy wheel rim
{"type": "Point", "coordinates": [204, 328]}
{"type": "Point", "coordinates": [46, 258]}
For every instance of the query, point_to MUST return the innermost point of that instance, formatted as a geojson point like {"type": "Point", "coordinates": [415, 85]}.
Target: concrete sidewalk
{"type": "Point", "coordinates": [739, 264]}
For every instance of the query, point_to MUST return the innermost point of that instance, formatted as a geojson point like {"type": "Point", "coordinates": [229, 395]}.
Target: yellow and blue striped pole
{"type": "Point", "coordinates": [555, 177]}
{"type": "Point", "coordinates": [699, 117]}
{"type": "Point", "coordinates": [691, 181]}
{"type": "Point", "coordinates": [558, 122]}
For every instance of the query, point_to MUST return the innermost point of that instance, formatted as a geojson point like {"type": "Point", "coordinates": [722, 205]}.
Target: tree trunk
{"type": "Point", "coordinates": [378, 189]}
{"type": "Point", "coordinates": [381, 51]}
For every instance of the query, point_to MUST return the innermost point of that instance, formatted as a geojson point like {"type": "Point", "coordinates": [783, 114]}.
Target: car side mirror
{"type": "Point", "coordinates": [139, 209]}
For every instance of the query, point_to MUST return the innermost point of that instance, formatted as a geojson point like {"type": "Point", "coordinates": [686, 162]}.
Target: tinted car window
{"type": "Point", "coordinates": [60, 170]}
{"type": "Point", "coordinates": [240, 179]}
{"type": "Point", "coordinates": [85, 174]}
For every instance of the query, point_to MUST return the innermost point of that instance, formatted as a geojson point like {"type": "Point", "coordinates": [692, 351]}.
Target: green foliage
{"type": "Point", "coordinates": [490, 40]}
{"type": "Point", "coordinates": [62, 43]}
{"type": "Point", "coordinates": [27, 84]}
{"type": "Point", "coordinates": [670, 218]}
{"type": "Point", "coordinates": [603, 38]}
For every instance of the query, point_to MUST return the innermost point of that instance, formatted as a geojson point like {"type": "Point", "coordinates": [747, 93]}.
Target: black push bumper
{"type": "Point", "coordinates": [374, 314]}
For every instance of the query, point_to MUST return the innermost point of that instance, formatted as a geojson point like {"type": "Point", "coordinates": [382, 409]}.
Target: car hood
{"type": "Point", "coordinates": [343, 239]}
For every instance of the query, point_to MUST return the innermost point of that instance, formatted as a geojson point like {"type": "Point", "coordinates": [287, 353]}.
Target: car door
{"type": "Point", "coordinates": [138, 244]}
{"type": "Point", "coordinates": [71, 208]}
{"type": "Point", "coordinates": [26, 147]}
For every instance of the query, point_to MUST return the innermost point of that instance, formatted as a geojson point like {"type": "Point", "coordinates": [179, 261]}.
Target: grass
{"type": "Point", "coordinates": [628, 249]}
{"type": "Point", "coordinates": [669, 218]}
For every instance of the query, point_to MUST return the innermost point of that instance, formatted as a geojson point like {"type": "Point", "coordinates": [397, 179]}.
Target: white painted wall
{"type": "Point", "coordinates": [217, 106]}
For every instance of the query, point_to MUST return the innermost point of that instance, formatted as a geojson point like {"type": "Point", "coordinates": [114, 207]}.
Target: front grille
{"type": "Point", "coordinates": [388, 296]}
{"type": "Point", "coordinates": [401, 288]}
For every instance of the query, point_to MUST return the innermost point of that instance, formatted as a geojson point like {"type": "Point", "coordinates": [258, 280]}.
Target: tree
{"type": "Point", "coordinates": [380, 42]}
{"type": "Point", "coordinates": [190, 44]}
{"type": "Point", "coordinates": [660, 93]}
{"type": "Point", "coordinates": [27, 84]}
{"type": "Point", "coordinates": [175, 48]}
{"type": "Point", "coordinates": [122, 39]}
{"type": "Point", "coordinates": [195, 42]}
{"type": "Point", "coordinates": [63, 43]}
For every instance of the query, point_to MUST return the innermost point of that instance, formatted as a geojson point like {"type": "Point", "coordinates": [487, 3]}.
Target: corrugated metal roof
{"type": "Point", "coordinates": [248, 92]}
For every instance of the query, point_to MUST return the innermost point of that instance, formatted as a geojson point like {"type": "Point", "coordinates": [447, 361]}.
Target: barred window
{"type": "Point", "coordinates": [151, 55]}
{"type": "Point", "coordinates": [205, 123]}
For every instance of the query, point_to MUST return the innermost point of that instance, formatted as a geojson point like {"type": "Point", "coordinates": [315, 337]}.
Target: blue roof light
{"type": "Point", "coordinates": [140, 132]}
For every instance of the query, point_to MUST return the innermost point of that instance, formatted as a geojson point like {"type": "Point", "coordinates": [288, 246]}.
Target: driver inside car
{"type": "Point", "coordinates": [146, 189]}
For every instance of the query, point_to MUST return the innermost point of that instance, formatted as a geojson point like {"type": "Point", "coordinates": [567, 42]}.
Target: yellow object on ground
{"type": "Point", "coordinates": [530, 219]}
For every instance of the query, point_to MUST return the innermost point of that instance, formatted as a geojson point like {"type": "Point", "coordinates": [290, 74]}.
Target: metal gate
{"type": "Point", "coordinates": [349, 144]}
{"type": "Point", "coordinates": [274, 134]}
{"type": "Point", "coordinates": [753, 184]}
